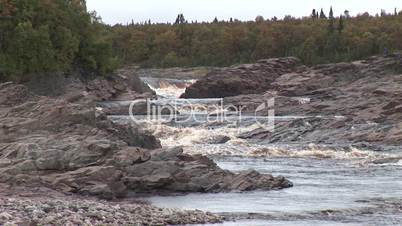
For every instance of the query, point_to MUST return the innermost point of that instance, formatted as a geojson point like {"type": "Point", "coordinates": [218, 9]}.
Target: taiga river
{"type": "Point", "coordinates": [332, 186]}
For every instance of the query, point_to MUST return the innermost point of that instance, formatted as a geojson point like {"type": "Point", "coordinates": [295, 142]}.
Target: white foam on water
{"type": "Point", "coordinates": [200, 140]}
{"type": "Point", "coordinates": [314, 151]}
{"type": "Point", "coordinates": [325, 177]}
{"type": "Point", "coordinates": [188, 136]}
{"type": "Point", "coordinates": [170, 90]}
{"type": "Point", "coordinates": [204, 140]}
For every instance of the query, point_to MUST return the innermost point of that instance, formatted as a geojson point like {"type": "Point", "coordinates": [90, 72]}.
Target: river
{"type": "Point", "coordinates": [331, 186]}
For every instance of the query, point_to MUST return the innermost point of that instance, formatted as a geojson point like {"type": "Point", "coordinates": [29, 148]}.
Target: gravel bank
{"type": "Point", "coordinates": [38, 208]}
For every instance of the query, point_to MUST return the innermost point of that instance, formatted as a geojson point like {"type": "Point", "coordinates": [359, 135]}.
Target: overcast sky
{"type": "Point", "coordinates": [123, 11]}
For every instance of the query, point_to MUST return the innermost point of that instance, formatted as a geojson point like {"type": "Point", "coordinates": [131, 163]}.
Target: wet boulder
{"type": "Point", "coordinates": [173, 171]}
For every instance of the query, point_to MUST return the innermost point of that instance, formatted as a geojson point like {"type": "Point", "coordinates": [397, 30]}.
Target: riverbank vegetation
{"type": "Point", "coordinates": [319, 38]}
{"type": "Point", "coordinates": [43, 38]}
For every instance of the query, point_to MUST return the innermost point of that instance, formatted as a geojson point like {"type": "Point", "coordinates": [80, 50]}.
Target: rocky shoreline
{"type": "Point", "coordinates": [357, 103]}
{"type": "Point", "coordinates": [62, 143]}
{"type": "Point", "coordinates": [20, 206]}
{"type": "Point", "coordinates": [67, 146]}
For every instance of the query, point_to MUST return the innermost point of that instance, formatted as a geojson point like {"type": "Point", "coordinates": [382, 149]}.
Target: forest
{"type": "Point", "coordinates": [315, 39]}
{"type": "Point", "coordinates": [42, 38]}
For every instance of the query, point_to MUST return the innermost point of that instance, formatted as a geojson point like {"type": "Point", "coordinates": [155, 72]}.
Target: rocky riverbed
{"type": "Point", "coordinates": [357, 103]}
{"type": "Point", "coordinates": [336, 136]}
{"type": "Point", "coordinates": [66, 144]}
{"type": "Point", "coordinates": [70, 151]}
{"type": "Point", "coordinates": [20, 206]}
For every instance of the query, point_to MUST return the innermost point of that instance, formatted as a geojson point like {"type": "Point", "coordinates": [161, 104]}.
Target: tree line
{"type": "Point", "coordinates": [318, 38]}
{"type": "Point", "coordinates": [43, 38]}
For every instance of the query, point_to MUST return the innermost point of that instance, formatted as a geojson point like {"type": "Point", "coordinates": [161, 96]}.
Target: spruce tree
{"type": "Point", "coordinates": [313, 14]}
{"type": "Point", "coordinates": [322, 15]}
{"type": "Point", "coordinates": [180, 19]}
{"type": "Point", "coordinates": [331, 25]}
{"type": "Point", "coordinates": [341, 25]}
{"type": "Point", "coordinates": [177, 19]}
{"type": "Point", "coordinates": [331, 14]}
{"type": "Point", "coordinates": [347, 14]}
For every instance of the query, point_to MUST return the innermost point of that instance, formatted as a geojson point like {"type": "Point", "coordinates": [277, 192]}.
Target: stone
{"type": "Point", "coordinates": [173, 171]}
{"type": "Point", "coordinates": [344, 103]}
{"type": "Point", "coordinates": [134, 136]}
{"type": "Point", "coordinates": [58, 142]}
{"type": "Point", "coordinates": [218, 140]}
{"type": "Point", "coordinates": [244, 79]}
{"type": "Point", "coordinates": [5, 216]}
{"type": "Point", "coordinates": [50, 160]}
{"type": "Point", "coordinates": [48, 207]}
{"type": "Point", "coordinates": [131, 156]}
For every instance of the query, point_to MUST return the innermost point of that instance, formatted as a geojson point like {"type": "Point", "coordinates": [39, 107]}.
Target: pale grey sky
{"type": "Point", "coordinates": [123, 11]}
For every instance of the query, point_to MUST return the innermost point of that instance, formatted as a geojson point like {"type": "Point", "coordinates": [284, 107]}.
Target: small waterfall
{"type": "Point", "coordinates": [333, 184]}
{"type": "Point", "coordinates": [168, 88]}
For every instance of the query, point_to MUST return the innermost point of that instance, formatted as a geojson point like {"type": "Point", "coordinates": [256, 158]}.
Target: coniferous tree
{"type": "Point", "coordinates": [180, 19]}
{"type": "Point", "coordinates": [322, 15]}
{"type": "Point", "coordinates": [341, 25]}
{"type": "Point", "coordinates": [223, 44]}
{"type": "Point", "coordinates": [313, 14]}
{"type": "Point", "coordinates": [347, 14]}
{"type": "Point", "coordinates": [331, 14]}
{"type": "Point", "coordinates": [177, 19]}
{"type": "Point", "coordinates": [331, 21]}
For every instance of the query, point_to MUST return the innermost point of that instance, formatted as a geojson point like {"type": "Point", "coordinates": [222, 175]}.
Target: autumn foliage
{"type": "Point", "coordinates": [48, 37]}
{"type": "Point", "coordinates": [315, 39]}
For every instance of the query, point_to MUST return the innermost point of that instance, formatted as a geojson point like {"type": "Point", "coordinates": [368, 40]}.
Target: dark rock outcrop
{"type": "Point", "coordinates": [118, 87]}
{"type": "Point", "coordinates": [243, 79]}
{"type": "Point", "coordinates": [345, 103]}
{"type": "Point", "coordinates": [173, 171]}
{"type": "Point", "coordinates": [63, 144]}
